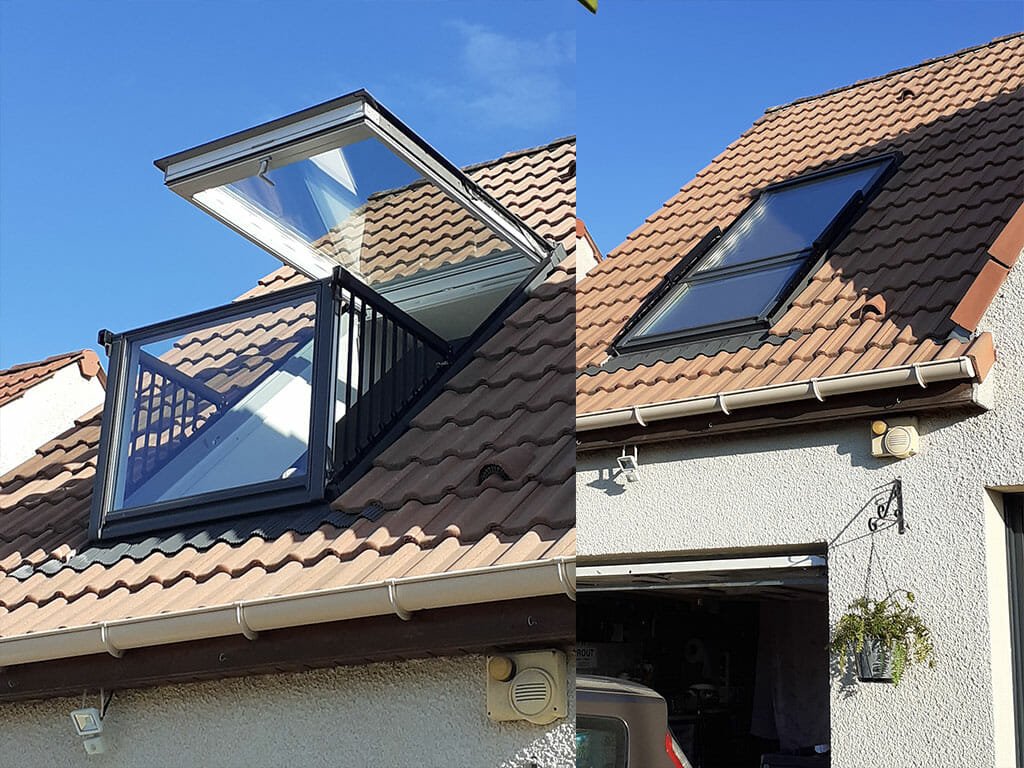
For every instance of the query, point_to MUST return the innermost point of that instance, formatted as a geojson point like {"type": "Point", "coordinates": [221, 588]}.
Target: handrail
{"type": "Point", "coordinates": [410, 324]}
{"type": "Point", "coordinates": [205, 391]}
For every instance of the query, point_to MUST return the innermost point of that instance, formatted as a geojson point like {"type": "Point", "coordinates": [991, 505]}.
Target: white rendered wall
{"type": "Point", "coordinates": [586, 259]}
{"type": "Point", "coordinates": [428, 714]}
{"type": "Point", "coordinates": [43, 412]}
{"type": "Point", "coordinates": [793, 486]}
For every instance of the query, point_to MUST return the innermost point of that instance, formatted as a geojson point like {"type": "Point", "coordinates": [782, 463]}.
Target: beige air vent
{"type": "Point", "coordinates": [531, 692]}
{"type": "Point", "coordinates": [527, 686]}
{"type": "Point", "coordinates": [894, 438]}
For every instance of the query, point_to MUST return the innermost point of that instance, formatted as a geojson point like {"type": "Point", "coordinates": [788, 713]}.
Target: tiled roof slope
{"type": "Point", "coordinates": [17, 380]}
{"type": "Point", "coordinates": [512, 406]}
{"type": "Point", "coordinates": [915, 252]}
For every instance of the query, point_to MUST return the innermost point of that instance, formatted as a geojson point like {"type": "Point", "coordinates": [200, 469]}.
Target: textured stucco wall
{"type": "Point", "coordinates": [45, 411]}
{"type": "Point", "coordinates": [790, 486]}
{"type": "Point", "coordinates": [427, 713]}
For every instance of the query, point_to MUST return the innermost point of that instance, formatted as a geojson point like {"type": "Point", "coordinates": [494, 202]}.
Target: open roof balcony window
{"type": "Point", "coordinates": [281, 400]}
{"type": "Point", "coordinates": [740, 280]}
{"type": "Point", "coordinates": [347, 184]}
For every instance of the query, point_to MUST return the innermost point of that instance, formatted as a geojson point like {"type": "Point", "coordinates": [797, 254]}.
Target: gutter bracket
{"type": "Point", "coordinates": [918, 377]}
{"type": "Point", "coordinates": [563, 577]}
{"type": "Point", "coordinates": [247, 631]}
{"type": "Point", "coordinates": [638, 417]}
{"type": "Point", "coordinates": [721, 404]}
{"type": "Point", "coordinates": [403, 614]}
{"type": "Point", "coordinates": [817, 392]}
{"type": "Point", "coordinates": [117, 653]}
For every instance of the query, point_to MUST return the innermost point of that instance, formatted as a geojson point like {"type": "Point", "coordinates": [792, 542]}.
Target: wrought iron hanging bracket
{"type": "Point", "coordinates": [889, 511]}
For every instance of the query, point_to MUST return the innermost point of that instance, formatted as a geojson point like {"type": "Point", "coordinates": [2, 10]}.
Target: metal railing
{"type": "Point", "coordinates": [389, 360]}
{"type": "Point", "coordinates": [386, 359]}
{"type": "Point", "coordinates": [170, 409]}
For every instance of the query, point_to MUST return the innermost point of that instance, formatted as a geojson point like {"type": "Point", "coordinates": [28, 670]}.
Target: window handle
{"type": "Point", "coordinates": [262, 172]}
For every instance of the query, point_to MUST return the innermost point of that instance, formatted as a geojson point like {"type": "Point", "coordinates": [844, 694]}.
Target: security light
{"type": "Point", "coordinates": [88, 724]}
{"type": "Point", "coordinates": [87, 721]}
{"type": "Point", "coordinates": [629, 465]}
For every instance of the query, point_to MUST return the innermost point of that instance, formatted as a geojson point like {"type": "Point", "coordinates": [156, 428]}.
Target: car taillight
{"type": "Point", "coordinates": [670, 750]}
{"type": "Point", "coordinates": [674, 752]}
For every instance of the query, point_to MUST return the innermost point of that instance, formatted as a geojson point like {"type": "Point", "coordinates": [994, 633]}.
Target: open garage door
{"type": "Point", "coordinates": [737, 645]}
{"type": "Point", "coordinates": [777, 576]}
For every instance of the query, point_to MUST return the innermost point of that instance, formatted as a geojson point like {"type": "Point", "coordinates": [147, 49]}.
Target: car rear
{"type": "Point", "coordinates": [620, 724]}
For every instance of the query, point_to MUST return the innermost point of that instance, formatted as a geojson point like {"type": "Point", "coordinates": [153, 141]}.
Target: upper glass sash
{"type": "Point", "coordinates": [346, 183]}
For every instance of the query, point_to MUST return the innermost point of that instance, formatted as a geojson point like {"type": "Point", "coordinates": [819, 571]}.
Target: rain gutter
{"type": "Point", "coordinates": [920, 374]}
{"type": "Point", "coordinates": [401, 596]}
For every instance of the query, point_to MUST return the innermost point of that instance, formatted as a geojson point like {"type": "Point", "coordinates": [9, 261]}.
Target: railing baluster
{"type": "Point", "coordinates": [361, 373]}
{"type": "Point", "coordinates": [374, 392]}
{"type": "Point", "coordinates": [393, 359]}
{"type": "Point", "coordinates": [350, 353]}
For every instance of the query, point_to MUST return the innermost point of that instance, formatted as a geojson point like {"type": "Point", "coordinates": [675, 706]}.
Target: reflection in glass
{"type": "Point", "coordinates": [218, 406]}
{"type": "Point", "coordinates": [722, 300]}
{"type": "Point", "coordinates": [788, 220]}
{"type": "Point", "coordinates": [364, 208]}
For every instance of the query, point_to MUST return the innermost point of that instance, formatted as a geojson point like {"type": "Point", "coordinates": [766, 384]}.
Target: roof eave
{"type": "Point", "coordinates": [403, 597]}
{"type": "Point", "coordinates": [922, 374]}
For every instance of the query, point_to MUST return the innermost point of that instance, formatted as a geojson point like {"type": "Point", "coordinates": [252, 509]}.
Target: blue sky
{"type": "Point", "coordinates": [663, 87]}
{"type": "Point", "coordinates": [92, 92]}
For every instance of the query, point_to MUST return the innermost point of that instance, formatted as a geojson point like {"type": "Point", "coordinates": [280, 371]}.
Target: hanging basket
{"type": "Point", "coordinates": [874, 662]}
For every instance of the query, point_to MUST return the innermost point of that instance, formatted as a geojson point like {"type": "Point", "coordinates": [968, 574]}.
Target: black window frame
{"type": "Point", "coordinates": [106, 522]}
{"type": "Point", "coordinates": [686, 272]}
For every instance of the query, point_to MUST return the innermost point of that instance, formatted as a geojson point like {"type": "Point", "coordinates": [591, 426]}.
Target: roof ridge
{"type": "Point", "coordinates": [69, 356]}
{"type": "Point", "coordinates": [520, 153]}
{"type": "Point", "coordinates": [893, 73]}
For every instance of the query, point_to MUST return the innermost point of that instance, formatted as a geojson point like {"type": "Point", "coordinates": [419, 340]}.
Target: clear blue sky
{"type": "Point", "coordinates": [663, 87]}
{"type": "Point", "coordinates": [92, 92]}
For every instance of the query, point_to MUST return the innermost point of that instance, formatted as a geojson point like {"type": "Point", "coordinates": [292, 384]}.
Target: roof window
{"type": "Point", "coordinates": [347, 184]}
{"type": "Point", "coordinates": [284, 399]}
{"type": "Point", "coordinates": [738, 281]}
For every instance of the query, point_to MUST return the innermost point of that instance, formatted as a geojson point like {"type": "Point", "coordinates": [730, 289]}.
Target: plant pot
{"type": "Point", "coordinates": [874, 662]}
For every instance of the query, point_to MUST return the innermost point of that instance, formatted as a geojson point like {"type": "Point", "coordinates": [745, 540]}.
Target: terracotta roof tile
{"type": "Point", "coordinates": [512, 404]}
{"type": "Point", "coordinates": [925, 249]}
{"type": "Point", "coordinates": [17, 380]}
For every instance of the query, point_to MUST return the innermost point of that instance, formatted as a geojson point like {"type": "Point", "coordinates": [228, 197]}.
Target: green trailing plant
{"type": "Point", "coordinates": [894, 623]}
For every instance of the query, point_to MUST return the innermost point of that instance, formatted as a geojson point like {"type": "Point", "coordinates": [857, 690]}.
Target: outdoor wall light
{"type": "Point", "coordinates": [88, 724]}
{"type": "Point", "coordinates": [629, 465]}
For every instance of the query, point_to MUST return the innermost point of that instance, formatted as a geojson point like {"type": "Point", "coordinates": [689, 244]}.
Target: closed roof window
{"type": "Point", "coordinates": [739, 280]}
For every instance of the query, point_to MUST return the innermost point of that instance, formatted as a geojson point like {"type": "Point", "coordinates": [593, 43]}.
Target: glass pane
{"type": "Point", "coordinates": [600, 742]}
{"type": "Point", "coordinates": [221, 405]}
{"type": "Point", "coordinates": [721, 300]}
{"type": "Point", "coordinates": [363, 207]}
{"type": "Point", "coordinates": [789, 219]}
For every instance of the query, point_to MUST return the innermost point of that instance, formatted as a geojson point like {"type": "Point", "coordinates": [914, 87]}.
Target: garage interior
{"type": "Point", "coordinates": [737, 647]}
